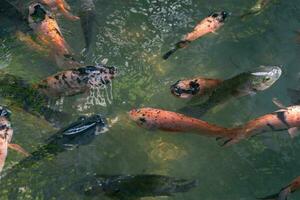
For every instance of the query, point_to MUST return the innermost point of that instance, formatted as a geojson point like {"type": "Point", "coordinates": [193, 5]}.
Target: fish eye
{"type": "Point", "coordinates": [266, 79]}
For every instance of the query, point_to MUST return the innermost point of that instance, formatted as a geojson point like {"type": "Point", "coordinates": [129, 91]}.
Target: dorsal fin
{"type": "Point", "coordinates": [279, 104]}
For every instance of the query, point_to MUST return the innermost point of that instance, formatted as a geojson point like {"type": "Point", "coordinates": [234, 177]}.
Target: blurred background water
{"type": "Point", "coordinates": [133, 35]}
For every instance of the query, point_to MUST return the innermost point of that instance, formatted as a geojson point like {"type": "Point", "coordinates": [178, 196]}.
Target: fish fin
{"type": "Point", "coordinates": [279, 104]}
{"type": "Point", "coordinates": [293, 131]}
{"type": "Point", "coordinates": [214, 32]}
{"type": "Point", "coordinates": [282, 195]}
{"type": "Point", "coordinates": [294, 95]}
{"type": "Point", "coordinates": [234, 136]}
{"type": "Point", "coordinates": [19, 149]}
{"type": "Point", "coordinates": [179, 45]}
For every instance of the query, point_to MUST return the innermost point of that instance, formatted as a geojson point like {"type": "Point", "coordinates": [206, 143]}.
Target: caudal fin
{"type": "Point", "coordinates": [282, 195]}
{"type": "Point", "coordinates": [179, 45]}
{"type": "Point", "coordinates": [232, 136]}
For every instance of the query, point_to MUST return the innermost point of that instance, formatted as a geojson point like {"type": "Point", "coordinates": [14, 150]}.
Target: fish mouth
{"type": "Point", "coordinates": [177, 91]}
{"type": "Point", "coordinates": [37, 13]}
{"type": "Point", "coordinates": [220, 16]}
{"type": "Point", "coordinates": [4, 112]}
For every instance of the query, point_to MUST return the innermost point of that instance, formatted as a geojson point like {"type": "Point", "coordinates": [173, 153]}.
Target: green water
{"type": "Point", "coordinates": [133, 35]}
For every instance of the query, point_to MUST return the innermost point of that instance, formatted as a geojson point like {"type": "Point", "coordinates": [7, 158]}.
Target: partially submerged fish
{"type": "Point", "coordinates": [48, 34]}
{"type": "Point", "coordinates": [208, 25]}
{"type": "Point", "coordinates": [81, 132]}
{"type": "Point", "coordinates": [286, 191]}
{"type": "Point", "coordinates": [88, 22]}
{"type": "Point", "coordinates": [76, 81]}
{"type": "Point", "coordinates": [199, 86]}
{"type": "Point", "coordinates": [259, 6]}
{"type": "Point", "coordinates": [6, 134]}
{"type": "Point", "coordinates": [135, 186]}
{"type": "Point", "coordinates": [247, 83]}
{"type": "Point", "coordinates": [62, 6]}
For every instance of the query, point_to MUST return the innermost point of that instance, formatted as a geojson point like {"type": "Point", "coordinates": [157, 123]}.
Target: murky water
{"type": "Point", "coordinates": [133, 35]}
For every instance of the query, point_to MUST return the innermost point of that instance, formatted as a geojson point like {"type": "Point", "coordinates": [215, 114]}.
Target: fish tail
{"type": "Point", "coordinates": [179, 45]}
{"type": "Point", "coordinates": [282, 195]}
{"type": "Point", "coordinates": [294, 95]}
{"type": "Point", "coordinates": [231, 136]}
{"type": "Point", "coordinates": [186, 186]}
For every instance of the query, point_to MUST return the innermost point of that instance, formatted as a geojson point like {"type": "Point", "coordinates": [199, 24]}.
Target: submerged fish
{"type": "Point", "coordinates": [259, 6]}
{"type": "Point", "coordinates": [199, 86]}
{"type": "Point", "coordinates": [20, 93]}
{"type": "Point", "coordinates": [48, 34]}
{"type": "Point", "coordinates": [76, 81]}
{"type": "Point", "coordinates": [287, 118]}
{"type": "Point", "coordinates": [62, 6]}
{"type": "Point", "coordinates": [135, 186]}
{"type": "Point", "coordinates": [88, 22]}
{"type": "Point", "coordinates": [6, 134]}
{"type": "Point", "coordinates": [154, 119]}
{"type": "Point", "coordinates": [286, 191]}
{"type": "Point", "coordinates": [247, 83]}
{"type": "Point", "coordinates": [81, 132]}
{"type": "Point", "coordinates": [208, 25]}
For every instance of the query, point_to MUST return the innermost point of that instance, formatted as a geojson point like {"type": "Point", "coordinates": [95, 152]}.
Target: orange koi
{"type": "Point", "coordinates": [62, 6]}
{"type": "Point", "coordinates": [208, 25]}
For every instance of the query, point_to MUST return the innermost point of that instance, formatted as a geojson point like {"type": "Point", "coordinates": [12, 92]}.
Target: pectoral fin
{"type": "Point", "coordinates": [279, 104]}
{"type": "Point", "coordinates": [19, 149]}
{"type": "Point", "coordinates": [293, 132]}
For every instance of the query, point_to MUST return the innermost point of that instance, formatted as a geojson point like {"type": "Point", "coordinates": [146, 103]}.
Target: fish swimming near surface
{"type": "Point", "coordinates": [76, 81]}
{"type": "Point", "coordinates": [259, 6]}
{"type": "Point", "coordinates": [88, 21]}
{"type": "Point", "coordinates": [287, 118]}
{"type": "Point", "coordinates": [286, 191]}
{"type": "Point", "coordinates": [6, 134]}
{"type": "Point", "coordinates": [60, 6]}
{"type": "Point", "coordinates": [208, 25]}
{"type": "Point", "coordinates": [157, 119]}
{"type": "Point", "coordinates": [246, 83]}
{"type": "Point", "coordinates": [134, 186]}
{"type": "Point", "coordinates": [82, 132]}
{"type": "Point", "coordinates": [48, 34]}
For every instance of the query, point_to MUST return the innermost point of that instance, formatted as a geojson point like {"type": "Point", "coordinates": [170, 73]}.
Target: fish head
{"type": "Point", "coordinates": [185, 89]}
{"type": "Point", "coordinates": [4, 112]}
{"type": "Point", "coordinates": [143, 118]}
{"type": "Point", "coordinates": [99, 74]}
{"type": "Point", "coordinates": [37, 13]}
{"type": "Point", "coordinates": [220, 16]}
{"type": "Point", "coordinates": [264, 77]}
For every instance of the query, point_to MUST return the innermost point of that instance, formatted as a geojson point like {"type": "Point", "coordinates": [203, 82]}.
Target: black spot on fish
{"type": "Point", "coordinates": [56, 77]}
{"type": "Point", "coordinates": [281, 117]}
{"type": "Point", "coordinates": [143, 120]}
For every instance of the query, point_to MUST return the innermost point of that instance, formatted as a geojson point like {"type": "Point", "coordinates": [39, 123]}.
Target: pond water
{"type": "Point", "coordinates": [133, 35]}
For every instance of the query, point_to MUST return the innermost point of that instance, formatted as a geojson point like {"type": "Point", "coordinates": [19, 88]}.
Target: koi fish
{"type": "Point", "coordinates": [81, 132]}
{"type": "Point", "coordinates": [208, 25]}
{"type": "Point", "coordinates": [88, 22]}
{"type": "Point", "coordinates": [200, 86]}
{"type": "Point", "coordinates": [287, 118]}
{"type": "Point", "coordinates": [259, 6]}
{"type": "Point", "coordinates": [135, 186]}
{"type": "Point", "coordinates": [48, 34]}
{"type": "Point", "coordinates": [286, 191]}
{"type": "Point", "coordinates": [62, 6]}
{"type": "Point", "coordinates": [23, 95]}
{"type": "Point", "coordinates": [156, 119]}
{"type": "Point", "coordinates": [6, 134]}
{"type": "Point", "coordinates": [247, 83]}
{"type": "Point", "coordinates": [76, 81]}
